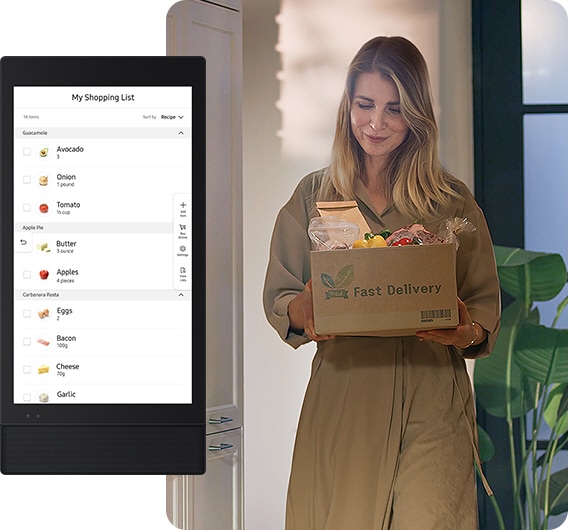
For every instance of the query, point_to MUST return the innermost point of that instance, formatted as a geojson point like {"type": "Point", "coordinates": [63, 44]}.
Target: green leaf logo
{"type": "Point", "coordinates": [327, 280]}
{"type": "Point", "coordinates": [343, 278]}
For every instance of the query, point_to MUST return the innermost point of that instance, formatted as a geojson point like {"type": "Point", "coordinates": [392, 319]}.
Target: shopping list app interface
{"type": "Point", "coordinates": [103, 244]}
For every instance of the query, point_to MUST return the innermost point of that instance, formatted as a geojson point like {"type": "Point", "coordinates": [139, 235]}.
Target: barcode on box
{"type": "Point", "coordinates": [428, 315]}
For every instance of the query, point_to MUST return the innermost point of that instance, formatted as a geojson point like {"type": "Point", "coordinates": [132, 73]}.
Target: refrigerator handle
{"type": "Point", "coordinates": [220, 421]}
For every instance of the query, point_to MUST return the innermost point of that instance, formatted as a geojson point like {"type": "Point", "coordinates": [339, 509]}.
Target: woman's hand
{"type": "Point", "coordinates": [302, 315]}
{"type": "Point", "coordinates": [467, 333]}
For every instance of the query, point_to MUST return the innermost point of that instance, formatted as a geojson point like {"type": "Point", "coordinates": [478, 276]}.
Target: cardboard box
{"type": "Point", "coordinates": [392, 291]}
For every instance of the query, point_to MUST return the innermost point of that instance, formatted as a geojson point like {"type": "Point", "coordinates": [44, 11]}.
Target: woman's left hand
{"type": "Point", "coordinates": [461, 336]}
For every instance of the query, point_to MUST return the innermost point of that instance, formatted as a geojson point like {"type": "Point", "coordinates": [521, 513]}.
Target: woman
{"type": "Point", "coordinates": [387, 434]}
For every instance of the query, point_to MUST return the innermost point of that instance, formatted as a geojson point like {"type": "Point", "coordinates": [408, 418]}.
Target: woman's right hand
{"type": "Point", "coordinates": [302, 315]}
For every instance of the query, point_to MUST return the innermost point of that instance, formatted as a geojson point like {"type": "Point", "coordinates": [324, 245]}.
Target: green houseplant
{"type": "Point", "coordinates": [526, 377]}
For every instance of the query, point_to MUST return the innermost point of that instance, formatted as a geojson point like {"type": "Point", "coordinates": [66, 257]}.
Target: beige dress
{"type": "Point", "coordinates": [387, 436]}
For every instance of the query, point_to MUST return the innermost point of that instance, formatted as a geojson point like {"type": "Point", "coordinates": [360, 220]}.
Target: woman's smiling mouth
{"type": "Point", "coordinates": [375, 139]}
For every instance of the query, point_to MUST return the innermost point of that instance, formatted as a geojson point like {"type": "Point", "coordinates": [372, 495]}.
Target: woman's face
{"type": "Point", "coordinates": [375, 116]}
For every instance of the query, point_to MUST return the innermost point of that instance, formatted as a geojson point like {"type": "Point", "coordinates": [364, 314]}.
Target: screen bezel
{"type": "Point", "coordinates": [101, 71]}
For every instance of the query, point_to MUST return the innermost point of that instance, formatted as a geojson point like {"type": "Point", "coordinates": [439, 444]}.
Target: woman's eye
{"type": "Point", "coordinates": [365, 106]}
{"type": "Point", "coordinates": [393, 110]}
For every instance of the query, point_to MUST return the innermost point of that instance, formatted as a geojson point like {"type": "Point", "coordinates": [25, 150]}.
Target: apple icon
{"type": "Point", "coordinates": [43, 274]}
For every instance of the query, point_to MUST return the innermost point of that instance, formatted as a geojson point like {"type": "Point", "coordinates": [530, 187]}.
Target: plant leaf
{"type": "Point", "coordinates": [486, 447]}
{"type": "Point", "coordinates": [547, 273]}
{"type": "Point", "coordinates": [542, 353]}
{"type": "Point", "coordinates": [534, 316]}
{"type": "Point", "coordinates": [556, 411]}
{"type": "Point", "coordinates": [558, 492]}
{"type": "Point", "coordinates": [490, 374]}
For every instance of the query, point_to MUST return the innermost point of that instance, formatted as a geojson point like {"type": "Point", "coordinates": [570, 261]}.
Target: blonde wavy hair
{"type": "Point", "coordinates": [415, 181]}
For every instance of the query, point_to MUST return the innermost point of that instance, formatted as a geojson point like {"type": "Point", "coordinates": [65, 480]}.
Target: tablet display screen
{"type": "Point", "coordinates": [103, 227]}
{"type": "Point", "coordinates": [103, 239]}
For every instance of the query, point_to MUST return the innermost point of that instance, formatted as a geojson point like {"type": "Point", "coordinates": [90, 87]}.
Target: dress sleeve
{"type": "Point", "coordinates": [477, 280]}
{"type": "Point", "coordinates": [288, 267]}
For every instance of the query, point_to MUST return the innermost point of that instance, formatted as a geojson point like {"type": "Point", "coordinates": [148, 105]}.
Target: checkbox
{"type": "Point", "coordinates": [26, 179]}
{"type": "Point", "coordinates": [27, 313]}
{"type": "Point", "coordinates": [27, 369]}
{"type": "Point", "coordinates": [27, 151]}
{"type": "Point", "coordinates": [26, 397]}
{"type": "Point", "coordinates": [26, 341]}
{"type": "Point", "coordinates": [27, 207]}
{"type": "Point", "coordinates": [27, 275]}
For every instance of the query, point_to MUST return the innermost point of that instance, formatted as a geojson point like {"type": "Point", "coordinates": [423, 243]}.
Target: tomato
{"type": "Point", "coordinates": [402, 242]}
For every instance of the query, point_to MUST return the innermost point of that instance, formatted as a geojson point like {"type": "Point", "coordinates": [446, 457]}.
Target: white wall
{"type": "Point", "coordinates": [318, 40]}
{"type": "Point", "coordinates": [274, 374]}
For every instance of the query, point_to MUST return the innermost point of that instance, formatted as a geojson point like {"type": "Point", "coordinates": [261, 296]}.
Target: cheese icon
{"type": "Point", "coordinates": [43, 369]}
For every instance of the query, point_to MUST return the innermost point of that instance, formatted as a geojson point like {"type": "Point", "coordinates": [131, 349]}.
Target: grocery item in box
{"type": "Point", "coordinates": [332, 233]}
{"type": "Point", "coordinates": [347, 210]}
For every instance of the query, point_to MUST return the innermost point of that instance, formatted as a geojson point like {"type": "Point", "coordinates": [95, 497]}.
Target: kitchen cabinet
{"type": "Point", "coordinates": [215, 32]}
